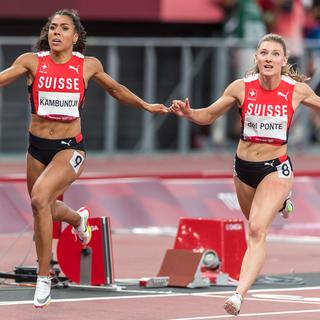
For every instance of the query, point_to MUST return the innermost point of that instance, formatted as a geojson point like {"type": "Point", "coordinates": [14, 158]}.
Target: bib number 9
{"type": "Point", "coordinates": [76, 161]}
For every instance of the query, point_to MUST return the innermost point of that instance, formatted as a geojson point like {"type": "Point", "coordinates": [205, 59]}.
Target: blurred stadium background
{"type": "Point", "coordinates": [160, 49]}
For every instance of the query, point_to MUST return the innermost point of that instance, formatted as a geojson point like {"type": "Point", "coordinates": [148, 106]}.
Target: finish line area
{"type": "Point", "coordinates": [269, 301]}
{"type": "Point", "coordinates": [144, 217]}
{"type": "Point", "coordinates": [274, 287]}
{"type": "Point", "coordinates": [283, 293]}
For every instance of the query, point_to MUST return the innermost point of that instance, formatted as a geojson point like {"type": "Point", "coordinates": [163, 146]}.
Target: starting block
{"type": "Point", "coordinates": [90, 265]}
{"type": "Point", "coordinates": [183, 268]}
{"type": "Point", "coordinates": [226, 237]}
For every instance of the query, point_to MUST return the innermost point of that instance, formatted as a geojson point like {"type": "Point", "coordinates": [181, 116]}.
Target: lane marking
{"type": "Point", "coordinates": [221, 294]}
{"type": "Point", "coordinates": [269, 299]}
{"type": "Point", "coordinates": [286, 297]}
{"type": "Point", "coordinates": [251, 315]}
{"type": "Point", "coordinates": [10, 303]}
{"type": "Point", "coordinates": [262, 290]}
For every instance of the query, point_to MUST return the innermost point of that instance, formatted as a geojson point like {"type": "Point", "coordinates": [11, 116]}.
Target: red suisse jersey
{"type": "Point", "coordinates": [266, 114]}
{"type": "Point", "coordinates": [57, 91]}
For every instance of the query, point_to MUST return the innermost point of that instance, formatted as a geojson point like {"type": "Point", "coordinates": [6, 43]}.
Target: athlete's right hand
{"type": "Point", "coordinates": [181, 108]}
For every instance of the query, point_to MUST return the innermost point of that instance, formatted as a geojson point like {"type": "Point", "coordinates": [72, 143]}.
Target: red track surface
{"type": "Point", "coordinates": [136, 256]}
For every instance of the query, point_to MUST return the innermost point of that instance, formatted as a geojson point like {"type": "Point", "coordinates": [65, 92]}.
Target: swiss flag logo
{"type": "Point", "coordinates": [44, 68]}
{"type": "Point", "coordinates": [252, 94]}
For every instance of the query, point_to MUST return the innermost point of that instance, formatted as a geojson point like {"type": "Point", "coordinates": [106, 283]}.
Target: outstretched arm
{"type": "Point", "coordinates": [208, 115]}
{"type": "Point", "coordinates": [22, 65]}
{"type": "Point", "coordinates": [94, 69]}
{"type": "Point", "coordinates": [304, 94]}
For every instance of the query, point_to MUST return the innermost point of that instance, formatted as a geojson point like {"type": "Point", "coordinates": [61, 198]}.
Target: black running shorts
{"type": "Point", "coordinates": [252, 173]}
{"type": "Point", "coordinates": [45, 149]}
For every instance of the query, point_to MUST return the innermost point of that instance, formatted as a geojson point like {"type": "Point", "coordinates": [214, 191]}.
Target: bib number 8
{"type": "Point", "coordinates": [284, 169]}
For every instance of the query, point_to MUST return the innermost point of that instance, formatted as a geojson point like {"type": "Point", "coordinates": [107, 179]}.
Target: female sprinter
{"type": "Point", "coordinates": [267, 99]}
{"type": "Point", "coordinates": [57, 76]}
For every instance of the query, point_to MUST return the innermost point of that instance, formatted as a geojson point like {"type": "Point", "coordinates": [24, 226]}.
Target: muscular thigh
{"type": "Point", "coordinates": [34, 170]}
{"type": "Point", "coordinates": [269, 197]}
{"type": "Point", "coordinates": [56, 177]}
{"type": "Point", "coordinates": [245, 195]}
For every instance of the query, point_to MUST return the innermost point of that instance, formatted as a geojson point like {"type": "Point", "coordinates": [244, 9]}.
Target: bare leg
{"type": "Point", "coordinates": [252, 263]}
{"type": "Point", "coordinates": [62, 212]}
{"type": "Point", "coordinates": [45, 184]}
{"type": "Point", "coordinates": [269, 196]}
{"type": "Point", "coordinates": [43, 238]}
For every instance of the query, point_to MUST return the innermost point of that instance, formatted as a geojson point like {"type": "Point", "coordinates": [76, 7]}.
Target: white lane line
{"type": "Point", "coordinates": [221, 294]}
{"type": "Point", "coordinates": [286, 297]}
{"type": "Point", "coordinates": [269, 299]}
{"type": "Point", "coordinates": [10, 303]}
{"type": "Point", "coordinates": [251, 315]}
{"type": "Point", "coordinates": [261, 290]}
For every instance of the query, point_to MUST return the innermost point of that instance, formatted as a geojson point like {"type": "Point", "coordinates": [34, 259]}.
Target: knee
{"type": "Point", "coordinates": [38, 202]}
{"type": "Point", "coordinates": [257, 231]}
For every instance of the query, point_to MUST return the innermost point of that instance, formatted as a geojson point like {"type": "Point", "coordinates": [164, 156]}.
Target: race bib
{"type": "Point", "coordinates": [58, 103]}
{"type": "Point", "coordinates": [265, 127]}
{"type": "Point", "coordinates": [76, 161]}
{"type": "Point", "coordinates": [284, 169]}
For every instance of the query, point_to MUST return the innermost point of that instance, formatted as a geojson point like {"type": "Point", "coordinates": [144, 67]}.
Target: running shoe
{"type": "Point", "coordinates": [42, 295]}
{"type": "Point", "coordinates": [287, 208]}
{"type": "Point", "coordinates": [84, 230]}
{"type": "Point", "coordinates": [233, 304]}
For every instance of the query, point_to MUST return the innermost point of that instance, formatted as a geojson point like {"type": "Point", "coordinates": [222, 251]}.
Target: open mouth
{"type": "Point", "coordinates": [56, 41]}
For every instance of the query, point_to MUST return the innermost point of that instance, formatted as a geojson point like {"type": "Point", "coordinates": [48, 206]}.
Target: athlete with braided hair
{"type": "Point", "coordinates": [57, 76]}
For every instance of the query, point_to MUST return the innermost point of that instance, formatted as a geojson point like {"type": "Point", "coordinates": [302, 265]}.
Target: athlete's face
{"type": "Point", "coordinates": [270, 58]}
{"type": "Point", "coordinates": [62, 34]}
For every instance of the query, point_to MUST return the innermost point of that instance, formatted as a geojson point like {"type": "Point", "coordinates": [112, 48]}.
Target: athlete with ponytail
{"type": "Point", "coordinates": [266, 99]}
